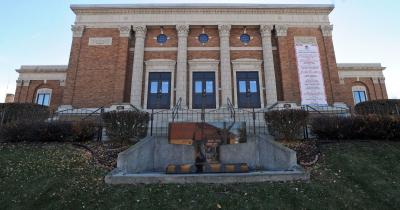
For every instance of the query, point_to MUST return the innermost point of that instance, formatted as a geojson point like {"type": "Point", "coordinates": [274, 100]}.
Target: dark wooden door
{"type": "Point", "coordinates": [248, 90]}
{"type": "Point", "coordinates": [159, 90]}
{"type": "Point", "coordinates": [203, 90]}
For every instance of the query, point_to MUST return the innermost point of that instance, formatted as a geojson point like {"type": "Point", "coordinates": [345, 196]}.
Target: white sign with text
{"type": "Point", "coordinates": [312, 86]}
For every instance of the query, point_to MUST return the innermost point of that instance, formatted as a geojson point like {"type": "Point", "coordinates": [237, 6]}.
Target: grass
{"type": "Point", "coordinates": [357, 175]}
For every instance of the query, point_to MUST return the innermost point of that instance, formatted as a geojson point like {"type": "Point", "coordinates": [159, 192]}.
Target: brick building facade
{"type": "Point", "coordinates": [152, 56]}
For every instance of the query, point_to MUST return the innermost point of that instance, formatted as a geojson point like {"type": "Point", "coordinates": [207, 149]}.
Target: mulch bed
{"type": "Point", "coordinates": [307, 151]}
{"type": "Point", "coordinates": [105, 154]}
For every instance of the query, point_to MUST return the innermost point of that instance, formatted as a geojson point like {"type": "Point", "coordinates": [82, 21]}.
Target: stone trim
{"type": "Point", "coordinates": [281, 30]}
{"type": "Point", "coordinates": [266, 30]}
{"type": "Point", "coordinates": [140, 31]}
{"type": "Point", "coordinates": [182, 29]}
{"type": "Point", "coordinates": [327, 30]}
{"type": "Point", "coordinates": [203, 48]}
{"type": "Point", "coordinates": [42, 68]}
{"type": "Point", "coordinates": [246, 48]}
{"type": "Point", "coordinates": [77, 30]}
{"type": "Point", "coordinates": [203, 8]}
{"type": "Point", "coordinates": [124, 31]}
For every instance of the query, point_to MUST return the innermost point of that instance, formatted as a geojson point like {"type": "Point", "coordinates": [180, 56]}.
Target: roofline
{"type": "Point", "coordinates": [42, 68]}
{"type": "Point", "coordinates": [201, 6]}
{"type": "Point", "coordinates": [360, 66]}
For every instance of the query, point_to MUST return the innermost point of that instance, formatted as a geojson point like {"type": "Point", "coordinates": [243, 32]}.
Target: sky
{"type": "Point", "coordinates": [37, 32]}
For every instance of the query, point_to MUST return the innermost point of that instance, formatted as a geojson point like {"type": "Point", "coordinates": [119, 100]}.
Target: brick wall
{"type": "Point", "coordinates": [375, 91]}
{"type": "Point", "coordinates": [97, 74]}
{"type": "Point", "coordinates": [27, 94]}
{"type": "Point", "coordinates": [288, 65]}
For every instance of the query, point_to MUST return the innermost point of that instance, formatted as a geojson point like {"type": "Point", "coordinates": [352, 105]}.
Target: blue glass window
{"type": "Point", "coordinates": [153, 87]}
{"type": "Point", "coordinates": [209, 86]}
{"type": "Point", "coordinates": [359, 96]}
{"type": "Point", "coordinates": [203, 38]}
{"type": "Point", "coordinates": [242, 86]}
{"type": "Point", "coordinates": [253, 87]}
{"type": "Point", "coordinates": [198, 87]}
{"type": "Point", "coordinates": [245, 38]}
{"type": "Point", "coordinates": [164, 87]}
{"type": "Point", "coordinates": [43, 99]}
{"type": "Point", "coordinates": [162, 38]}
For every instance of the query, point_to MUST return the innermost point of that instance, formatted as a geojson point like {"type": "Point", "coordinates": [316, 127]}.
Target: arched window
{"type": "Point", "coordinates": [359, 94]}
{"type": "Point", "coordinates": [43, 96]}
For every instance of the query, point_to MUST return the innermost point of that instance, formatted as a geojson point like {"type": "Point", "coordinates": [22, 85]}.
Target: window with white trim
{"type": "Point", "coordinates": [359, 94]}
{"type": "Point", "coordinates": [43, 96]}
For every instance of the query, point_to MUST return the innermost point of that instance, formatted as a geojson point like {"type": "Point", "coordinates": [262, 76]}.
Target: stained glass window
{"type": "Point", "coordinates": [245, 38]}
{"type": "Point", "coordinates": [162, 38]}
{"type": "Point", "coordinates": [203, 38]}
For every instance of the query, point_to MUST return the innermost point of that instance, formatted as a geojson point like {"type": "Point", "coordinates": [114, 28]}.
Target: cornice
{"type": "Point", "coordinates": [43, 69]}
{"type": "Point", "coordinates": [126, 10]}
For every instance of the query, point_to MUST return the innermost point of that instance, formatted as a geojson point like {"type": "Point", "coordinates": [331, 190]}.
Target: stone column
{"type": "Point", "coordinates": [181, 68]}
{"type": "Point", "coordinates": [226, 76]}
{"type": "Point", "coordinates": [137, 73]}
{"type": "Point", "coordinates": [269, 69]}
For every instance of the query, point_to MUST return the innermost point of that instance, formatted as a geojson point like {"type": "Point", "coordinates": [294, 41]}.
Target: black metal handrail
{"type": "Point", "coordinates": [176, 108]}
{"type": "Point", "coordinates": [231, 109]}
{"type": "Point", "coordinates": [101, 109]}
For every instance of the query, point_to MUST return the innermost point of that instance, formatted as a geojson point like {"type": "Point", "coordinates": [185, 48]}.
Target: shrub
{"type": "Point", "coordinates": [286, 124]}
{"type": "Point", "coordinates": [11, 112]}
{"type": "Point", "coordinates": [84, 131]}
{"type": "Point", "coordinates": [126, 125]}
{"type": "Point", "coordinates": [19, 131]}
{"type": "Point", "coordinates": [379, 107]}
{"type": "Point", "coordinates": [371, 127]}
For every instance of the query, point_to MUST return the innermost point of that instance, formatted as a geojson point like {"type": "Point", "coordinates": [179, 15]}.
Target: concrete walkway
{"type": "Point", "coordinates": [118, 177]}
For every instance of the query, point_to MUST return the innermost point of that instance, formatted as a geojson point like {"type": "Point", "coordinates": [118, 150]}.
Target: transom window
{"type": "Point", "coordinates": [359, 94]}
{"type": "Point", "coordinates": [43, 97]}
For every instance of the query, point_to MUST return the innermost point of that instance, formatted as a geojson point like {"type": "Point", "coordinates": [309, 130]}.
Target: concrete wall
{"type": "Point", "coordinates": [262, 153]}
{"type": "Point", "coordinates": [154, 154]}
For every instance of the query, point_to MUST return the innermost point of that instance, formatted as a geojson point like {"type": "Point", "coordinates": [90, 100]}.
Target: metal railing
{"type": "Point", "coordinates": [252, 120]}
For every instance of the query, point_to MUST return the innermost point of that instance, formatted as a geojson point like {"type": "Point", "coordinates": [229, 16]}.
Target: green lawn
{"type": "Point", "coordinates": [58, 176]}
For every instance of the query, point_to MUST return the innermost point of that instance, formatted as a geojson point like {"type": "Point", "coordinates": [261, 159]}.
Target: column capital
{"type": "Point", "coordinates": [140, 31]}
{"type": "Point", "coordinates": [124, 31]}
{"type": "Point", "coordinates": [77, 31]}
{"type": "Point", "coordinates": [183, 30]}
{"type": "Point", "coordinates": [281, 30]}
{"type": "Point", "coordinates": [224, 30]}
{"type": "Point", "coordinates": [266, 30]}
{"type": "Point", "coordinates": [326, 30]}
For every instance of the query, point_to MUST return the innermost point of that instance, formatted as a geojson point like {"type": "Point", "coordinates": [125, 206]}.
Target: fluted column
{"type": "Point", "coordinates": [137, 73]}
{"type": "Point", "coordinates": [181, 68]}
{"type": "Point", "coordinates": [226, 76]}
{"type": "Point", "coordinates": [269, 69]}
